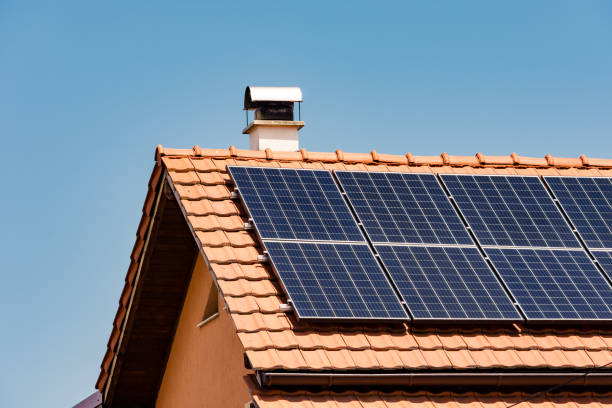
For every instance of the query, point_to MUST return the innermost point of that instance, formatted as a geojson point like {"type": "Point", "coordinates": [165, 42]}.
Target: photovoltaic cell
{"type": "Point", "coordinates": [447, 283]}
{"type": "Point", "coordinates": [403, 208]}
{"type": "Point", "coordinates": [554, 284]}
{"type": "Point", "coordinates": [510, 211]}
{"type": "Point", "coordinates": [588, 204]}
{"type": "Point", "coordinates": [295, 204]}
{"type": "Point", "coordinates": [605, 260]}
{"type": "Point", "coordinates": [327, 280]}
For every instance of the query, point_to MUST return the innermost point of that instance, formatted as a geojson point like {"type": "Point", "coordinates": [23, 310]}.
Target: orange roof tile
{"type": "Point", "coordinates": [276, 340]}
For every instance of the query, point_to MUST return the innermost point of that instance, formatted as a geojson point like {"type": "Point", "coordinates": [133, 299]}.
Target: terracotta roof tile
{"type": "Point", "coordinates": [252, 340]}
{"type": "Point", "coordinates": [388, 341]}
{"type": "Point", "coordinates": [389, 360]}
{"type": "Point", "coordinates": [243, 304]}
{"type": "Point", "coordinates": [590, 341]}
{"type": "Point", "coordinates": [365, 359]}
{"type": "Point", "coordinates": [203, 185]}
{"type": "Point", "coordinates": [436, 359]}
{"type": "Point", "coordinates": [219, 238]}
{"type": "Point", "coordinates": [524, 342]}
{"type": "Point", "coordinates": [331, 340]}
{"type": "Point", "coordinates": [341, 359]}
{"type": "Point", "coordinates": [428, 341]}
{"type": "Point", "coordinates": [475, 341]}
{"type": "Point", "coordinates": [284, 339]}
{"type": "Point", "coordinates": [228, 254]}
{"type": "Point", "coordinates": [235, 271]}
{"type": "Point", "coordinates": [215, 222]}
{"type": "Point", "coordinates": [578, 358]}
{"type": "Point", "coordinates": [292, 359]}
{"type": "Point", "coordinates": [461, 359]}
{"type": "Point", "coordinates": [202, 192]}
{"type": "Point", "coordinates": [185, 177]}
{"type": "Point", "coordinates": [532, 358]}
{"type": "Point", "coordinates": [212, 178]}
{"type": "Point", "coordinates": [451, 341]}
{"type": "Point", "coordinates": [178, 163]}
{"type": "Point", "coordinates": [208, 207]}
{"type": "Point", "coordinates": [269, 359]}
{"type": "Point", "coordinates": [316, 359]}
{"type": "Point", "coordinates": [240, 288]}
{"type": "Point", "coordinates": [600, 357]}
{"type": "Point", "coordinates": [413, 359]}
{"type": "Point", "coordinates": [356, 341]}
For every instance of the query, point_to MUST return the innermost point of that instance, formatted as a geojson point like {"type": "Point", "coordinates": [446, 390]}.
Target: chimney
{"type": "Point", "coordinates": [273, 125]}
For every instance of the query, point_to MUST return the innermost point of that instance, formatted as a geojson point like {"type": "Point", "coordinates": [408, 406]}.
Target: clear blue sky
{"type": "Point", "coordinates": [88, 90]}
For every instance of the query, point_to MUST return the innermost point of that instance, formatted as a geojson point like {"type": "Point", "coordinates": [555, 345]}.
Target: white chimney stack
{"type": "Point", "coordinates": [273, 125]}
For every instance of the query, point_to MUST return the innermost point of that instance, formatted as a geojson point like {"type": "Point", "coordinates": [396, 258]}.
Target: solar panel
{"type": "Point", "coordinates": [295, 204]}
{"type": "Point", "coordinates": [447, 283]}
{"type": "Point", "coordinates": [587, 201]}
{"type": "Point", "coordinates": [510, 211]}
{"type": "Point", "coordinates": [403, 208]}
{"type": "Point", "coordinates": [554, 284]}
{"type": "Point", "coordinates": [327, 280]}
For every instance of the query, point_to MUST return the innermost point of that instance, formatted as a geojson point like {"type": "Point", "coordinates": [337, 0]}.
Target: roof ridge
{"type": "Point", "coordinates": [373, 157]}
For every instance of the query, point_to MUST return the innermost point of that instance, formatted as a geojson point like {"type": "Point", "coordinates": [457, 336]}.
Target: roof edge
{"type": "Point", "coordinates": [444, 159]}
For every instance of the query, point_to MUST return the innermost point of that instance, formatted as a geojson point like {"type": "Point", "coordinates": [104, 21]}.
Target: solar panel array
{"type": "Point", "coordinates": [328, 266]}
{"type": "Point", "coordinates": [587, 201]}
{"type": "Point", "coordinates": [510, 211]}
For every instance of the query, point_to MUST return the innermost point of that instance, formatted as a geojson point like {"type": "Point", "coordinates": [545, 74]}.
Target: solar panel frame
{"type": "Point", "coordinates": [327, 218]}
{"type": "Point", "coordinates": [591, 216]}
{"type": "Point", "coordinates": [586, 289]}
{"type": "Point", "coordinates": [401, 207]}
{"type": "Point", "coordinates": [350, 266]}
{"type": "Point", "coordinates": [501, 220]}
{"type": "Point", "coordinates": [447, 284]}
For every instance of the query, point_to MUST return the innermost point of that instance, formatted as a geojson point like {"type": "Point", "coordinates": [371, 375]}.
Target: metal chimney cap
{"type": "Point", "coordinates": [254, 94]}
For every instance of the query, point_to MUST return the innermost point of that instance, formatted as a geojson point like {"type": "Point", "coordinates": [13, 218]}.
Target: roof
{"type": "Point", "coordinates": [274, 340]}
{"type": "Point", "coordinates": [428, 400]}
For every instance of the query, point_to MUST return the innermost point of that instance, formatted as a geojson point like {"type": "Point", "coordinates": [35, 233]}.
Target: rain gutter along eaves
{"type": "Point", "coordinates": [328, 380]}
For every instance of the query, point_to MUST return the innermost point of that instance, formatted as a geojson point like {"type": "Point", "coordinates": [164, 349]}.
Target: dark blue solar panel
{"type": "Point", "coordinates": [326, 280]}
{"type": "Point", "coordinates": [295, 204]}
{"type": "Point", "coordinates": [554, 284]}
{"type": "Point", "coordinates": [605, 260]}
{"type": "Point", "coordinates": [447, 283]}
{"type": "Point", "coordinates": [403, 208]}
{"type": "Point", "coordinates": [510, 211]}
{"type": "Point", "coordinates": [588, 204]}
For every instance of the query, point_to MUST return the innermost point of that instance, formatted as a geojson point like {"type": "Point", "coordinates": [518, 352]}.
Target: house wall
{"type": "Point", "coordinates": [206, 365]}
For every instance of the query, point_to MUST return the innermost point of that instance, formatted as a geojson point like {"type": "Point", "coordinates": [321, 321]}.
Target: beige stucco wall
{"type": "Point", "coordinates": [206, 365]}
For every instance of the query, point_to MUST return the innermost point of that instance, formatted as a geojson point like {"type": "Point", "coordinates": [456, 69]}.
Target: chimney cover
{"type": "Point", "coordinates": [254, 94]}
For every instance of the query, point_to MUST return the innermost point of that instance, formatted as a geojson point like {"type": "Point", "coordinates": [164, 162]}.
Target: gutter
{"type": "Point", "coordinates": [328, 380]}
